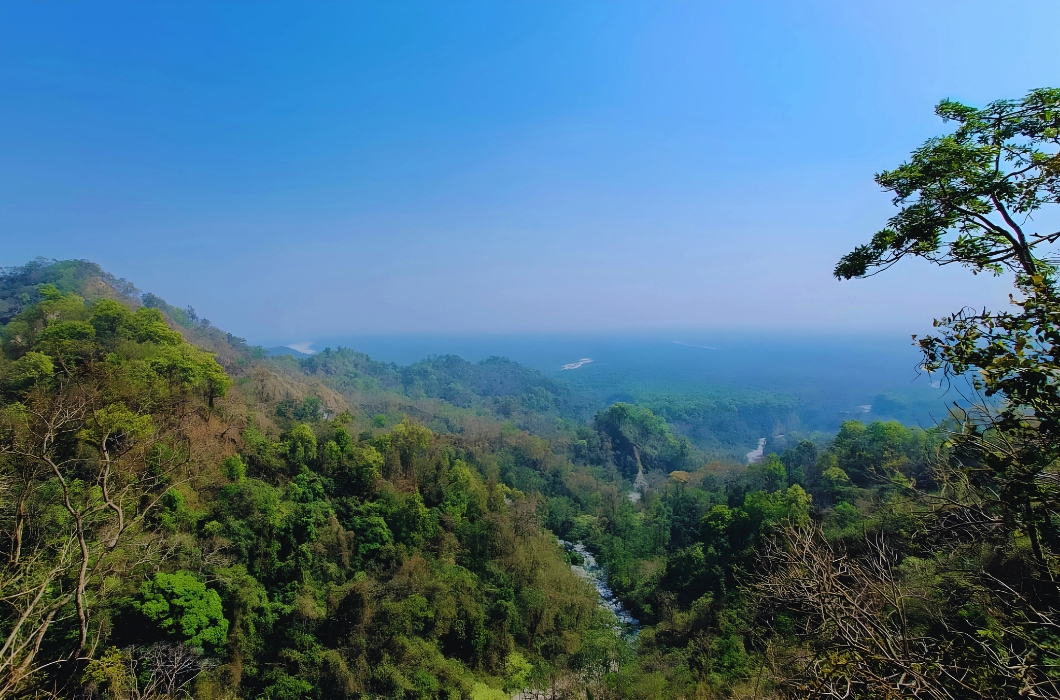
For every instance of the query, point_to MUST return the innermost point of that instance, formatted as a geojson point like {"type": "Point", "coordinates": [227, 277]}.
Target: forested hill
{"type": "Point", "coordinates": [20, 286]}
{"type": "Point", "coordinates": [722, 422]}
{"type": "Point", "coordinates": [183, 516]}
{"type": "Point", "coordinates": [497, 383]}
{"type": "Point", "coordinates": [171, 527]}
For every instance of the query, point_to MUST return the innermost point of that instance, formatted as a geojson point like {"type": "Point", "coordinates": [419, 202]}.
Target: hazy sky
{"type": "Point", "coordinates": [302, 170]}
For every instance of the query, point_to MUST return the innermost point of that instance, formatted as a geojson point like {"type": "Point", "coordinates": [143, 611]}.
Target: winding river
{"type": "Point", "coordinates": [626, 625]}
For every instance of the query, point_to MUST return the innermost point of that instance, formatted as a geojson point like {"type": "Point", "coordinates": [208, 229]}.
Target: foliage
{"type": "Point", "coordinates": [401, 563]}
{"type": "Point", "coordinates": [639, 437]}
{"type": "Point", "coordinates": [98, 406]}
{"type": "Point", "coordinates": [949, 589]}
{"type": "Point", "coordinates": [182, 606]}
{"type": "Point", "coordinates": [333, 526]}
{"type": "Point", "coordinates": [966, 197]}
{"type": "Point", "coordinates": [20, 286]}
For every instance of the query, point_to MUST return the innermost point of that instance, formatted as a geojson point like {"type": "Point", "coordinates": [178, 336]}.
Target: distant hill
{"type": "Point", "coordinates": [724, 422]}
{"type": "Point", "coordinates": [284, 350]}
{"type": "Point", "coordinates": [498, 384]}
{"type": "Point", "coordinates": [19, 285]}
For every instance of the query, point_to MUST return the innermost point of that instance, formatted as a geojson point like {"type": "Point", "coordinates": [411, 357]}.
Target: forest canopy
{"type": "Point", "coordinates": [182, 515]}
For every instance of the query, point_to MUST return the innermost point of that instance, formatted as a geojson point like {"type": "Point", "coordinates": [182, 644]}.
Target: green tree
{"type": "Point", "coordinates": [640, 438]}
{"type": "Point", "coordinates": [98, 406]}
{"type": "Point", "coordinates": [183, 607]}
{"type": "Point", "coordinates": [968, 197]}
{"type": "Point", "coordinates": [301, 445]}
{"type": "Point", "coordinates": [769, 474]}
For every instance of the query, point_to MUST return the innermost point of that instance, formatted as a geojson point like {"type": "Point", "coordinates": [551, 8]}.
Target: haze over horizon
{"type": "Point", "coordinates": [494, 350]}
{"type": "Point", "coordinates": [298, 173]}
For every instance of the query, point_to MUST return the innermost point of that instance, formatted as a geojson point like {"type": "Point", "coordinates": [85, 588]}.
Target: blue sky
{"type": "Point", "coordinates": [303, 170]}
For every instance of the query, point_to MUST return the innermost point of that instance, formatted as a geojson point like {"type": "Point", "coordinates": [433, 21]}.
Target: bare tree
{"type": "Point", "coordinates": [86, 469]}
{"type": "Point", "coordinates": [865, 627]}
{"type": "Point", "coordinates": [163, 670]}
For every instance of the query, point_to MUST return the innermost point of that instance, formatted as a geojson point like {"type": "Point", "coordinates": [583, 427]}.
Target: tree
{"type": "Point", "coordinates": [639, 437]}
{"type": "Point", "coordinates": [182, 606]}
{"type": "Point", "coordinates": [876, 624]}
{"type": "Point", "coordinates": [144, 673]}
{"type": "Point", "coordinates": [968, 197]}
{"type": "Point", "coordinates": [98, 402]}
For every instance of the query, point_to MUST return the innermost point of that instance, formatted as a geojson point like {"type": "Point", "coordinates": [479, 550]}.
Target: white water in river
{"type": "Point", "coordinates": [628, 626]}
{"type": "Point", "coordinates": [756, 454]}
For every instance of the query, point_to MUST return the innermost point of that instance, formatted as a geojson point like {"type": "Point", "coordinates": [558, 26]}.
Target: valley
{"type": "Point", "coordinates": [477, 526]}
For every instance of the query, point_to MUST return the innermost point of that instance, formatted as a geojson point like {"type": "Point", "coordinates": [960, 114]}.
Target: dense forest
{"type": "Point", "coordinates": [184, 515]}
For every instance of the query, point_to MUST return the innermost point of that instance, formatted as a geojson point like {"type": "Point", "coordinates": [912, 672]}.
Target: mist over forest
{"type": "Point", "coordinates": [828, 376]}
{"type": "Point", "coordinates": [560, 351]}
{"type": "Point", "coordinates": [480, 528]}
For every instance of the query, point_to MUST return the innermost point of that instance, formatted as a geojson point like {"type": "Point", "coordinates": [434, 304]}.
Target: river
{"type": "Point", "coordinates": [756, 454]}
{"type": "Point", "coordinates": [627, 625]}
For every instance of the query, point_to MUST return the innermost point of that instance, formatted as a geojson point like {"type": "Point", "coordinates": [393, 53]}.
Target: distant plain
{"type": "Point", "coordinates": [830, 377]}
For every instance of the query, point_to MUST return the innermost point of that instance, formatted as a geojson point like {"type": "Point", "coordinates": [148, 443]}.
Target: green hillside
{"type": "Point", "coordinates": [185, 515]}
